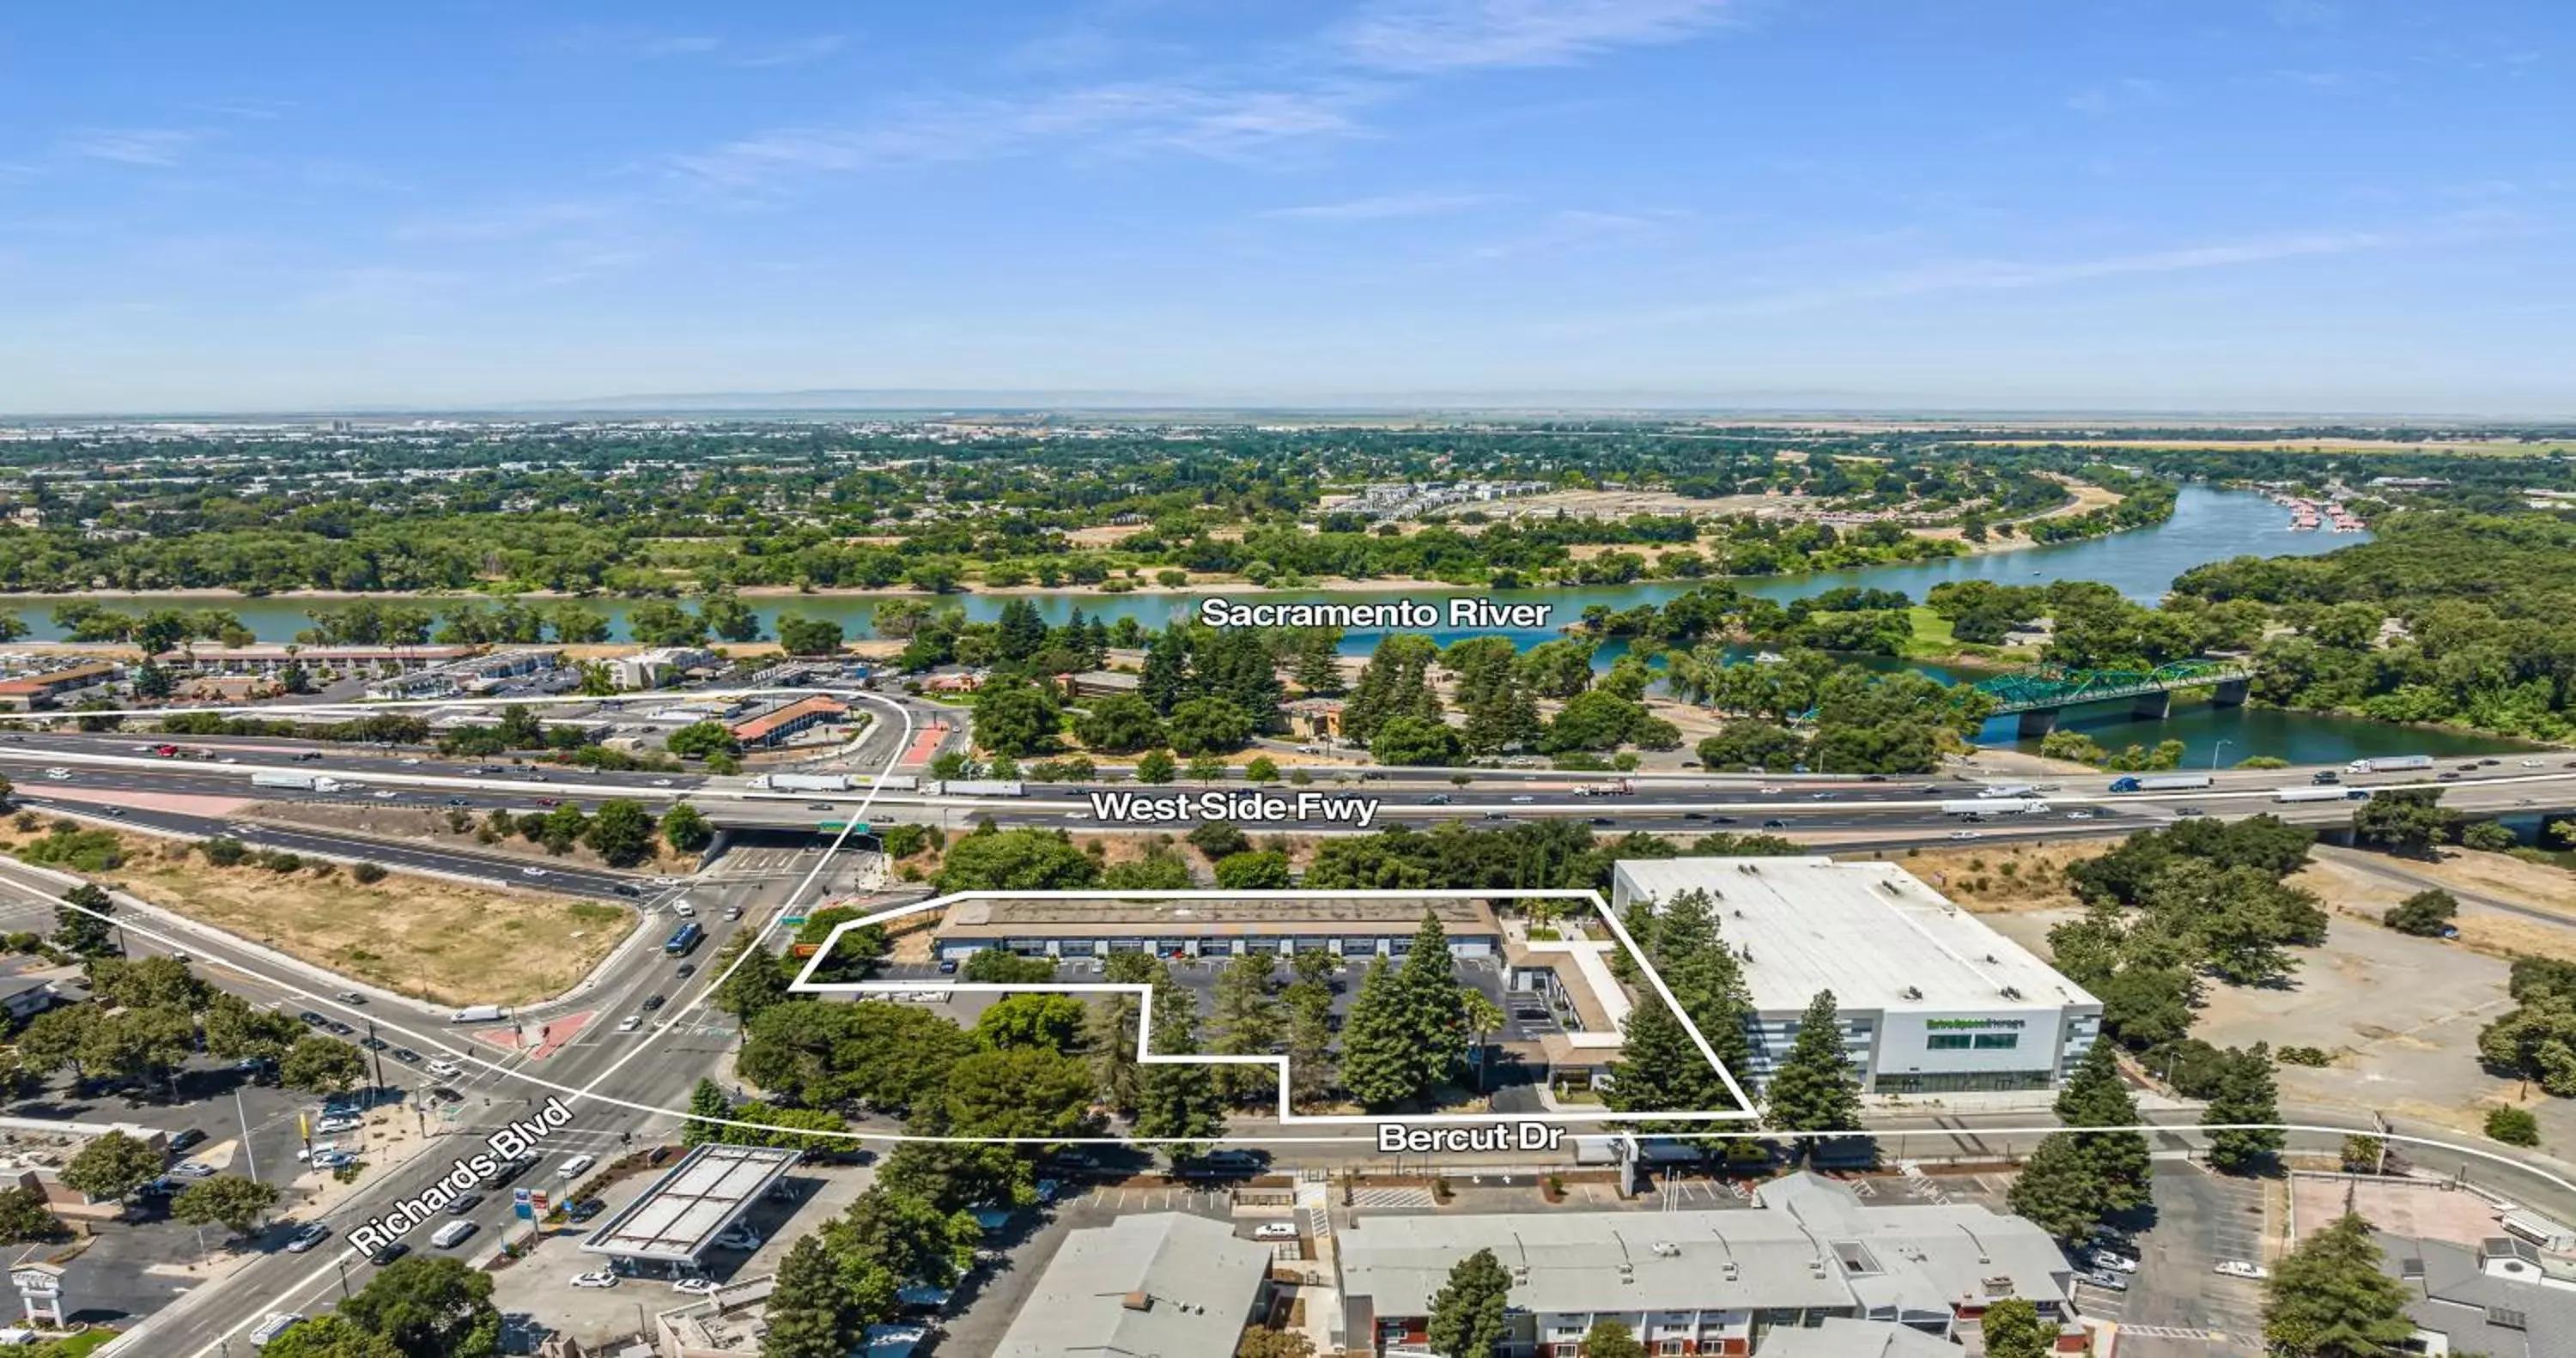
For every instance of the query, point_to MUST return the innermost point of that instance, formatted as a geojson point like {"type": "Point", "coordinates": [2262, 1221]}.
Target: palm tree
{"type": "Point", "coordinates": [1482, 1016]}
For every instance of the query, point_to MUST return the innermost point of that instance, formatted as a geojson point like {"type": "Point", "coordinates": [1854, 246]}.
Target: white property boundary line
{"type": "Point", "coordinates": [1743, 1111]}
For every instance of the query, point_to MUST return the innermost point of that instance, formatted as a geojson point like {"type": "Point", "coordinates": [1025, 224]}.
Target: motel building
{"type": "Point", "coordinates": [1210, 928]}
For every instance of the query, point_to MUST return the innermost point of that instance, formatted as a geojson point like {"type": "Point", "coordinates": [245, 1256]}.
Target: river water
{"type": "Point", "coordinates": [2207, 525]}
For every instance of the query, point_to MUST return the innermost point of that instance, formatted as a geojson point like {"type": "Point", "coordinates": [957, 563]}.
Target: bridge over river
{"type": "Point", "coordinates": [2037, 694]}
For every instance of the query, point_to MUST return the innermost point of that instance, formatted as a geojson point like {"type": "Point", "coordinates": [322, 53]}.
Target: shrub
{"type": "Point", "coordinates": [2306, 1056]}
{"type": "Point", "coordinates": [2514, 1126]}
{"type": "Point", "coordinates": [367, 874]}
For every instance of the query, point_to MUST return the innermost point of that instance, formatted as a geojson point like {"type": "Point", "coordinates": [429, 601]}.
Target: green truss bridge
{"type": "Point", "coordinates": [2037, 694]}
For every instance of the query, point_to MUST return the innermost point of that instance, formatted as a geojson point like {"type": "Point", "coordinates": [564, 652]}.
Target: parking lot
{"type": "Point", "coordinates": [2176, 1305]}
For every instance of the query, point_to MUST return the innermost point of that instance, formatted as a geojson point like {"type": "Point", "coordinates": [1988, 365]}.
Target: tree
{"type": "Point", "coordinates": [24, 1216]}
{"type": "Point", "coordinates": [1417, 741]}
{"type": "Point", "coordinates": [1752, 745]}
{"type": "Point", "coordinates": [622, 832]}
{"type": "Point", "coordinates": [686, 829]}
{"type": "Point", "coordinates": [1480, 1016]}
{"type": "Point", "coordinates": [2426, 914]}
{"type": "Point", "coordinates": [1155, 766]}
{"type": "Point", "coordinates": [1813, 1089]}
{"type": "Point", "coordinates": [1377, 1065]}
{"type": "Point", "coordinates": [329, 1337]}
{"type": "Point", "coordinates": [1261, 768]}
{"type": "Point", "coordinates": [1207, 768]}
{"type": "Point", "coordinates": [2120, 1163]}
{"type": "Point", "coordinates": [1263, 1343]}
{"type": "Point", "coordinates": [2246, 1093]}
{"type": "Point", "coordinates": [1248, 1020]}
{"type": "Point", "coordinates": [1047, 1022]}
{"type": "Point", "coordinates": [1016, 718]}
{"type": "Point", "coordinates": [324, 1065]}
{"type": "Point", "coordinates": [80, 928]}
{"type": "Point", "coordinates": [1121, 724]}
{"type": "Point", "coordinates": [2329, 1298]}
{"type": "Point", "coordinates": [1209, 726]}
{"type": "Point", "coordinates": [1017, 860]}
{"type": "Point", "coordinates": [808, 636]}
{"type": "Point", "coordinates": [2013, 1329]}
{"type": "Point", "coordinates": [1468, 1313]}
{"type": "Point", "coordinates": [430, 1307]}
{"type": "Point", "coordinates": [805, 1314]}
{"type": "Point", "coordinates": [227, 1200]}
{"type": "Point", "coordinates": [112, 1166]}
{"type": "Point", "coordinates": [1611, 1339]}
{"type": "Point", "coordinates": [761, 981]}
{"type": "Point", "coordinates": [1253, 871]}
{"type": "Point", "coordinates": [1658, 1070]}
{"type": "Point", "coordinates": [707, 1102]}
{"type": "Point", "coordinates": [1111, 1033]}
{"type": "Point", "coordinates": [1020, 1092]}
{"type": "Point", "coordinates": [1177, 1101]}
{"type": "Point", "coordinates": [702, 740]}
{"type": "Point", "coordinates": [2408, 822]}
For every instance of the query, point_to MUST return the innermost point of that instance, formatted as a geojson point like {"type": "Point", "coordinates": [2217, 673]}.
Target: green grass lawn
{"type": "Point", "coordinates": [1932, 634]}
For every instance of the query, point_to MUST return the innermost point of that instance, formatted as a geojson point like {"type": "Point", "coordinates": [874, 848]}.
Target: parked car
{"type": "Point", "coordinates": [2238, 1268]}
{"type": "Point", "coordinates": [601, 1279]}
{"type": "Point", "coordinates": [2112, 1260]}
{"type": "Point", "coordinates": [695, 1287]}
{"type": "Point", "coordinates": [180, 1141]}
{"type": "Point", "coordinates": [1275, 1230]}
{"type": "Point", "coordinates": [583, 1209]}
{"type": "Point", "coordinates": [2106, 1280]}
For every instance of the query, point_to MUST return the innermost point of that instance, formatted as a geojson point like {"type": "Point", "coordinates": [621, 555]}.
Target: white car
{"type": "Point", "coordinates": [1773, 791]}
{"type": "Point", "coordinates": [193, 1169]}
{"type": "Point", "coordinates": [383, 794]}
{"type": "Point", "coordinates": [2531, 763]}
{"type": "Point", "coordinates": [1524, 797]}
{"type": "Point", "coordinates": [1965, 834]}
{"type": "Point", "coordinates": [307, 1238]}
{"type": "Point", "coordinates": [328, 1126]}
{"type": "Point", "coordinates": [1275, 1230]}
{"type": "Point", "coordinates": [445, 1070]}
{"type": "Point", "coordinates": [2115, 1262]}
{"type": "Point", "coordinates": [594, 1280]}
{"type": "Point", "coordinates": [409, 762]}
{"type": "Point", "coordinates": [661, 782]}
{"type": "Point", "coordinates": [575, 1166]}
{"type": "Point", "coordinates": [2238, 1268]}
{"type": "Point", "coordinates": [740, 1238]}
{"type": "Point", "coordinates": [58, 775]}
{"type": "Point", "coordinates": [2079, 815]}
{"type": "Point", "coordinates": [630, 1023]}
{"type": "Point", "coordinates": [665, 881]}
{"type": "Point", "coordinates": [532, 872]}
{"type": "Point", "coordinates": [695, 1287]}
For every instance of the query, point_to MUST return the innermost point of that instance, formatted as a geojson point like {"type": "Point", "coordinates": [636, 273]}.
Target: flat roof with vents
{"type": "Point", "coordinates": [682, 1213]}
{"type": "Point", "coordinates": [1332, 917]}
{"type": "Point", "coordinates": [1869, 932]}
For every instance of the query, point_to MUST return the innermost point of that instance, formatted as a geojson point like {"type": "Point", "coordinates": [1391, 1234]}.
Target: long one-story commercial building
{"type": "Point", "coordinates": [1055, 927]}
{"type": "Point", "coordinates": [1707, 1282]}
{"type": "Point", "coordinates": [269, 658]}
{"type": "Point", "coordinates": [1931, 999]}
{"type": "Point", "coordinates": [27, 692]}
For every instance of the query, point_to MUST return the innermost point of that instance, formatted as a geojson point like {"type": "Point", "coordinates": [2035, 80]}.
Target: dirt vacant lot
{"type": "Point", "coordinates": [441, 941]}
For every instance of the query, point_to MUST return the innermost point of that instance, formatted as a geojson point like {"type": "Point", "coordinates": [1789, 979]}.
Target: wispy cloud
{"type": "Point", "coordinates": [795, 53]}
{"type": "Point", "coordinates": [252, 110]}
{"type": "Point", "coordinates": [2121, 96]}
{"type": "Point", "coordinates": [1570, 228]}
{"type": "Point", "coordinates": [1425, 36]}
{"type": "Point", "coordinates": [1131, 116]}
{"type": "Point", "coordinates": [1417, 204]}
{"type": "Point", "coordinates": [1989, 275]}
{"type": "Point", "coordinates": [151, 146]}
{"type": "Point", "coordinates": [509, 223]}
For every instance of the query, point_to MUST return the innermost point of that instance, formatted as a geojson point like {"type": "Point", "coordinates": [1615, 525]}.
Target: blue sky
{"type": "Point", "coordinates": [2061, 204]}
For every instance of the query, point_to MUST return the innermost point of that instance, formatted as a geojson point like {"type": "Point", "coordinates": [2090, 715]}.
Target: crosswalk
{"type": "Point", "coordinates": [1385, 1199]}
{"type": "Point", "coordinates": [2172, 1332]}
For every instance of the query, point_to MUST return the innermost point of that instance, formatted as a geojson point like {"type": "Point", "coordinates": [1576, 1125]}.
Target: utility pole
{"type": "Point", "coordinates": [375, 1049]}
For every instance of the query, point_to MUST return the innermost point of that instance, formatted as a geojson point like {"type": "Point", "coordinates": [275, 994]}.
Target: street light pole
{"type": "Point", "coordinates": [2217, 750]}
{"type": "Point", "coordinates": [244, 1119]}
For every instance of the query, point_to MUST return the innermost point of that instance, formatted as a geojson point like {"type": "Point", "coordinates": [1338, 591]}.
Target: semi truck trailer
{"type": "Point", "coordinates": [2390, 764]}
{"type": "Point", "coordinates": [2173, 782]}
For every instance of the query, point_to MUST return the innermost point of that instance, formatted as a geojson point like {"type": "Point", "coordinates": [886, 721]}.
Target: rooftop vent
{"type": "Point", "coordinates": [1137, 1301]}
{"type": "Point", "coordinates": [1996, 1286]}
{"type": "Point", "coordinates": [1914, 992]}
{"type": "Point", "coordinates": [1992, 960]}
{"type": "Point", "coordinates": [2012, 993]}
{"type": "Point", "coordinates": [1667, 1249]}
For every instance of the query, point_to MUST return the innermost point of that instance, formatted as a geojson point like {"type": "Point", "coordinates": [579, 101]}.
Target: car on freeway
{"type": "Point", "coordinates": [116, 813]}
{"type": "Point", "coordinates": [1436, 799]}
{"type": "Point", "coordinates": [2079, 815]}
{"type": "Point", "coordinates": [1524, 797]}
{"type": "Point", "coordinates": [549, 801]}
{"type": "Point", "coordinates": [1966, 834]}
{"type": "Point", "coordinates": [384, 794]}
{"type": "Point", "coordinates": [2189, 811]}
{"type": "Point", "coordinates": [598, 1279]}
{"type": "Point", "coordinates": [821, 806]}
{"type": "Point", "coordinates": [661, 782]}
{"type": "Point", "coordinates": [2489, 763]}
{"type": "Point", "coordinates": [695, 1287]}
{"type": "Point", "coordinates": [1775, 823]}
{"type": "Point", "coordinates": [350, 997]}
{"type": "Point", "coordinates": [409, 761]}
{"type": "Point", "coordinates": [1603, 820]}
{"type": "Point", "coordinates": [460, 801]}
{"type": "Point", "coordinates": [532, 872]}
{"type": "Point", "coordinates": [1822, 796]}
{"type": "Point", "coordinates": [2531, 763]}
{"type": "Point", "coordinates": [1771, 791]}
{"type": "Point", "coordinates": [305, 1238]}
{"type": "Point", "coordinates": [2238, 1268]}
{"type": "Point", "coordinates": [181, 1141]}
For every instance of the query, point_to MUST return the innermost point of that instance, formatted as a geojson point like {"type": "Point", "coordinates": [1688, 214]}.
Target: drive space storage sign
{"type": "Point", "coordinates": [1994, 1041]}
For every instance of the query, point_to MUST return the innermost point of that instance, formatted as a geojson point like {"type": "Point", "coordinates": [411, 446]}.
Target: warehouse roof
{"type": "Point", "coordinates": [1869, 932]}
{"type": "Point", "coordinates": [1205, 919]}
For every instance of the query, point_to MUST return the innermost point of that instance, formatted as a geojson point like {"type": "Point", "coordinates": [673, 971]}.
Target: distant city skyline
{"type": "Point", "coordinates": [2006, 206]}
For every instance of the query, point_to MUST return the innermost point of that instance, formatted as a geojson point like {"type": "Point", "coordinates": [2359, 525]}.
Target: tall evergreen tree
{"type": "Point", "coordinates": [1318, 668]}
{"type": "Point", "coordinates": [1165, 678]}
{"type": "Point", "coordinates": [2057, 1190]}
{"type": "Point", "coordinates": [2119, 1162]}
{"type": "Point", "coordinates": [82, 932]}
{"type": "Point", "coordinates": [1704, 974]}
{"type": "Point", "coordinates": [1396, 683]}
{"type": "Point", "coordinates": [1813, 1090]}
{"type": "Point", "coordinates": [1434, 1016]}
{"type": "Point", "coordinates": [706, 1101]}
{"type": "Point", "coordinates": [1377, 1045]}
{"type": "Point", "coordinates": [2246, 1092]}
{"type": "Point", "coordinates": [2329, 1298]}
{"type": "Point", "coordinates": [1109, 1035]}
{"type": "Point", "coordinates": [1022, 632]}
{"type": "Point", "coordinates": [805, 1316]}
{"type": "Point", "coordinates": [1658, 1070]}
{"type": "Point", "coordinates": [1469, 1313]}
{"type": "Point", "coordinates": [1178, 1099]}
{"type": "Point", "coordinates": [1249, 1022]}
